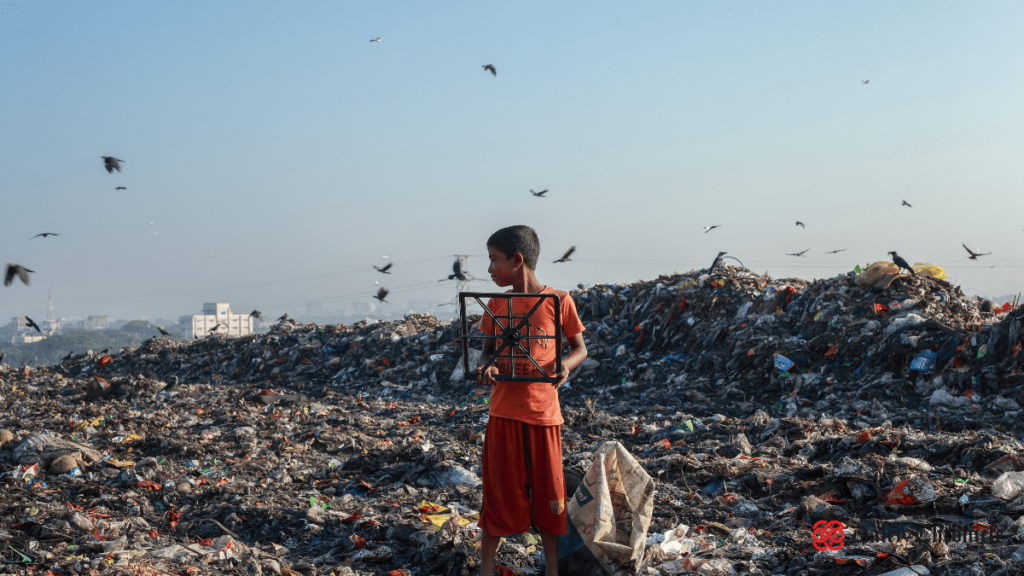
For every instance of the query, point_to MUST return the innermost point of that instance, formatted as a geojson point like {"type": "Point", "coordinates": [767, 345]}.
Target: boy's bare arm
{"type": "Point", "coordinates": [574, 359]}
{"type": "Point", "coordinates": [486, 378]}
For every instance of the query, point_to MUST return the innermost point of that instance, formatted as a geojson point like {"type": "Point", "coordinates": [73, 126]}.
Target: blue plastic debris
{"type": "Point", "coordinates": [783, 363]}
{"type": "Point", "coordinates": [924, 362]}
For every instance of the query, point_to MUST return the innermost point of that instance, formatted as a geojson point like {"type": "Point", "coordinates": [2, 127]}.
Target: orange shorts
{"type": "Point", "coordinates": [522, 487]}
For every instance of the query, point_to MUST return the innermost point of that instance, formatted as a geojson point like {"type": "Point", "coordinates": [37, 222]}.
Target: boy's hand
{"type": "Point", "coordinates": [486, 378]}
{"type": "Point", "coordinates": [562, 376]}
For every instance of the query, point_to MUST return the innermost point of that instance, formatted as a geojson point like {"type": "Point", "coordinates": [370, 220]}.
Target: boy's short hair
{"type": "Point", "coordinates": [521, 239]}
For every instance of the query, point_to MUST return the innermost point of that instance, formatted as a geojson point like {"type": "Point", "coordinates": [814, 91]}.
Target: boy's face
{"type": "Point", "coordinates": [503, 269]}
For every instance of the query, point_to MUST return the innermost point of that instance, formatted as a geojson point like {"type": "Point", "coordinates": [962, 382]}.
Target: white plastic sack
{"type": "Point", "coordinates": [612, 509]}
{"type": "Point", "coordinates": [1009, 485]}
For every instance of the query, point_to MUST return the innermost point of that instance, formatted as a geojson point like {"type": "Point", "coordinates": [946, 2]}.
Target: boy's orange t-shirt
{"type": "Point", "coordinates": [531, 402]}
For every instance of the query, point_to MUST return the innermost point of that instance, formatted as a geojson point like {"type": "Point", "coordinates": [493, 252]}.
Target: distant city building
{"type": "Point", "coordinates": [314, 308]}
{"type": "Point", "coordinates": [23, 334]}
{"type": "Point", "coordinates": [218, 315]}
{"type": "Point", "coordinates": [96, 323]}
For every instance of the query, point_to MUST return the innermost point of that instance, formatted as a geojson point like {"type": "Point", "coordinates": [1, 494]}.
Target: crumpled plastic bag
{"type": "Point", "coordinates": [878, 274]}
{"type": "Point", "coordinates": [929, 270]}
{"type": "Point", "coordinates": [615, 489]}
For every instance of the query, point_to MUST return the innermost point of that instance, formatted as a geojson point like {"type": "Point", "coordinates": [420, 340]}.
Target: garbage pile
{"type": "Point", "coordinates": [831, 427]}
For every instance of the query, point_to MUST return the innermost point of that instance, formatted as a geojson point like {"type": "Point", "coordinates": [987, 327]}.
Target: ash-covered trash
{"type": "Point", "coordinates": [888, 411]}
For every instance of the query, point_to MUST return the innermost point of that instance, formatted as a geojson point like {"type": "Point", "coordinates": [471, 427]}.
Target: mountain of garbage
{"type": "Point", "coordinates": [866, 423]}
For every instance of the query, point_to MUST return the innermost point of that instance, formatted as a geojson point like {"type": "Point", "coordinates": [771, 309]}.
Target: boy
{"type": "Point", "coordinates": [522, 460]}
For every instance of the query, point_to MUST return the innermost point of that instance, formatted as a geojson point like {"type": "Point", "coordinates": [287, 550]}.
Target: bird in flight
{"type": "Point", "coordinates": [111, 163]}
{"type": "Point", "coordinates": [539, 194]}
{"type": "Point", "coordinates": [798, 254]}
{"type": "Point", "coordinates": [490, 67]}
{"type": "Point", "coordinates": [897, 260]}
{"type": "Point", "coordinates": [19, 271]}
{"type": "Point", "coordinates": [565, 257]}
{"type": "Point", "coordinates": [32, 324]}
{"type": "Point", "coordinates": [717, 263]}
{"type": "Point", "coordinates": [120, 188]}
{"type": "Point", "coordinates": [44, 235]}
{"type": "Point", "coordinates": [907, 204]}
{"type": "Point", "coordinates": [384, 270]}
{"type": "Point", "coordinates": [162, 331]}
{"type": "Point", "coordinates": [382, 294]}
{"type": "Point", "coordinates": [974, 255]}
{"type": "Point", "coordinates": [836, 251]}
{"type": "Point", "coordinates": [710, 228]}
{"type": "Point", "coordinates": [377, 39]}
{"type": "Point", "coordinates": [256, 314]}
{"type": "Point", "coordinates": [801, 224]}
{"type": "Point", "coordinates": [457, 271]}
{"type": "Point", "coordinates": [865, 81]}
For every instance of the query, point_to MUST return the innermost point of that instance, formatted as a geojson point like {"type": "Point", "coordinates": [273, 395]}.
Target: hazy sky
{"type": "Point", "coordinates": [276, 137]}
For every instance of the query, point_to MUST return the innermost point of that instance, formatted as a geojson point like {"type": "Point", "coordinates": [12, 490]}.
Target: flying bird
{"type": "Point", "coordinates": [457, 271]}
{"type": "Point", "coordinates": [19, 271]}
{"type": "Point", "coordinates": [384, 270]}
{"type": "Point", "coordinates": [491, 68]}
{"type": "Point", "coordinates": [111, 163]}
{"type": "Point", "coordinates": [32, 324]}
{"type": "Point", "coordinates": [897, 260]}
{"type": "Point", "coordinates": [377, 39]}
{"type": "Point", "coordinates": [801, 224]}
{"type": "Point", "coordinates": [710, 228]}
{"type": "Point", "coordinates": [382, 294]}
{"type": "Point", "coordinates": [256, 314]}
{"type": "Point", "coordinates": [865, 81]}
{"type": "Point", "coordinates": [162, 331]}
{"type": "Point", "coordinates": [717, 263]}
{"type": "Point", "coordinates": [120, 188]}
{"type": "Point", "coordinates": [798, 254]}
{"type": "Point", "coordinates": [907, 204]}
{"type": "Point", "coordinates": [565, 257]}
{"type": "Point", "coordinates": [44, 235]}
{"type": "Point", "coordinates": [974, 255]}
{"type": "Point", "coordinates": [836, 251]}
{"type": "Point", "coordinates": [539, 194]}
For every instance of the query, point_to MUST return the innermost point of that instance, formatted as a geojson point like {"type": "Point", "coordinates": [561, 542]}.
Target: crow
{"type": "Point", "coordinates": [800, 224]}
{"type": "Point", "coordinates": [385, 269]}
{"type": "Point", "coordinates": [907, 204]}
{"type": "Point", "coordinates": [162, 331]}
{"type": "Point", "coordinates": [120, 188]}
{"type": "Point", "coordinates": [216, 328]}
{"type": "Point", "coordinates": [974, 255]}
{"type": "Point", "coordinates": [283, 318]}
{"type": "Point", "coordinates": [68, 357]}
{"type": "Point", "coordinates": [897, 260]}
{"type": "Point", "coordinates": [798, 254]}
{"type": "Point", "coordinates": [4, 355]}
{"type": "Point", "coordinates": [111, 163]}
{"type": "Point", "coordinates": [457, 269]}
{"type": "Point", "coordinates": [565, 257]}
{"type": "Point", "coordinates": [19, 271]}
{"type": "Point", "coordinates": [44, 235]}
{"type": "Point", "coordinates": [836, 251]}
{"type": "Point", "coordinates": [491, 68]}
{"type": "Point", "coordinates": [865, 81]}
{"type": "Point", "coordinates": [382, 294]}
{"type": "Point", "coordinates": [717, 263]}
{"type": "Point", "coordinates": [377, 39]}
{"type": "Point", "coordinates": [104, 352]}
{"type": "Point", "coordinates": [539, 194]}
{"type": "Point", "coordinates": [256, 314]}
{"type": "Point", "coordinates": [710, 228]}
{"type": "Point", "coordinates": [32, 324]}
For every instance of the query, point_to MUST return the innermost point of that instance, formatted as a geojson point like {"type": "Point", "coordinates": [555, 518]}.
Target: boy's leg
{"type": "Point", "coordinates": [488, 546]}
{"type": "Point", "coordinates": [550, 543]}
